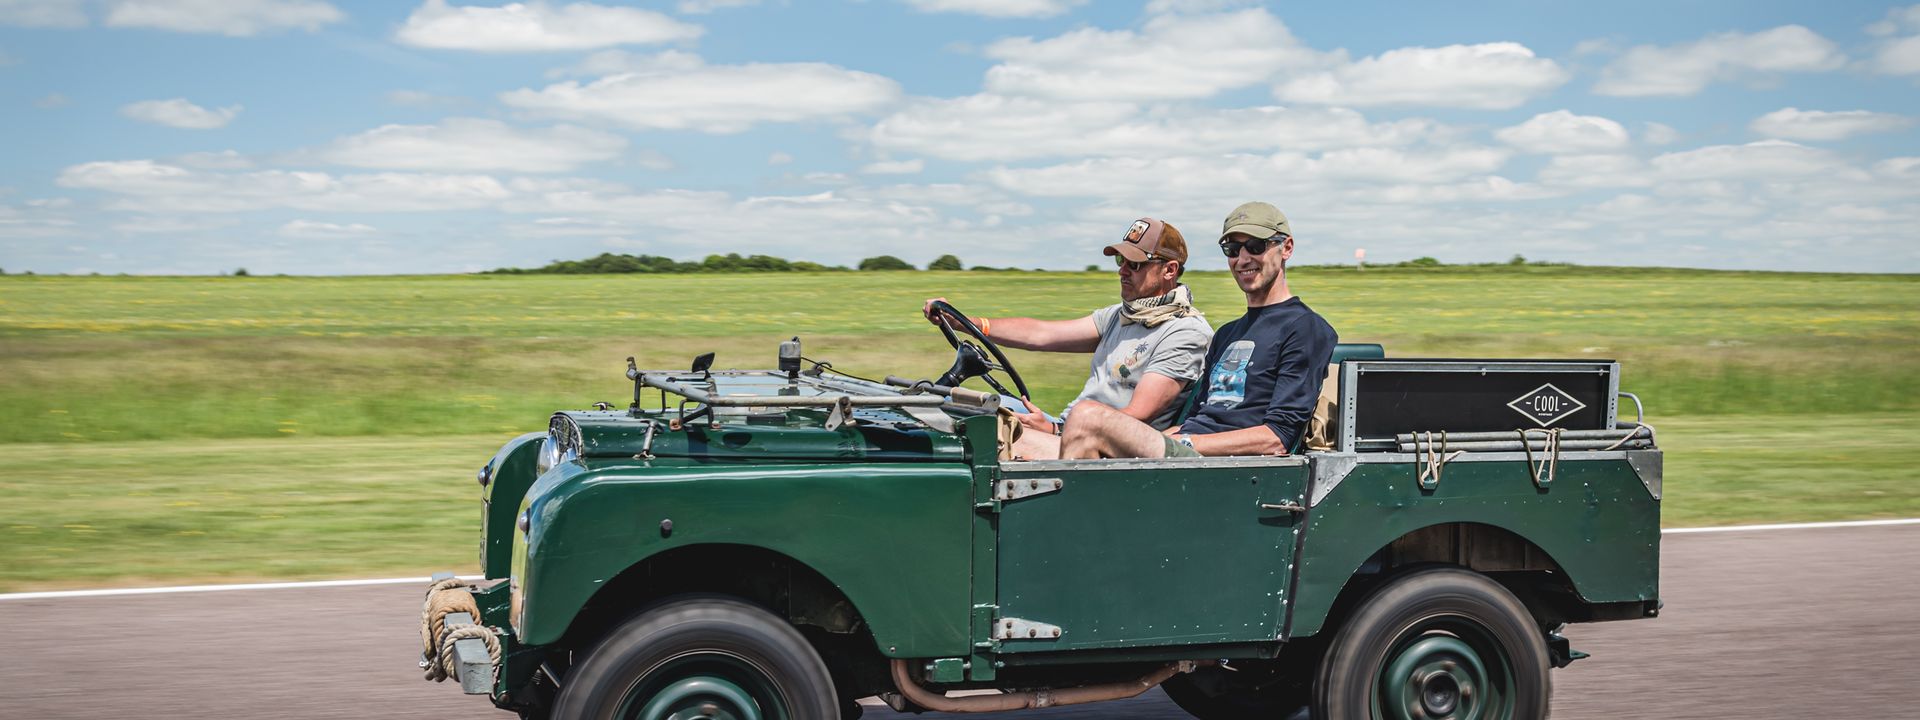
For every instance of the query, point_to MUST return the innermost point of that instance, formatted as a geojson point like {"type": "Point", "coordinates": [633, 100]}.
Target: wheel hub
{"type": "Point", "coordinates": [701, 698]}
{"type": "Point", "coordinates": [1435, 678]}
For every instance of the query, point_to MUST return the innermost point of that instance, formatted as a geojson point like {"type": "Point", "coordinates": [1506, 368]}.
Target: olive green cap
{"type": "Point", "coordinates": [1257, 219]}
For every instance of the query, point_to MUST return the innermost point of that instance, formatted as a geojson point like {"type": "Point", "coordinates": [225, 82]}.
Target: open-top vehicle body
{"type": "Point", "coordinates": [780, 543]}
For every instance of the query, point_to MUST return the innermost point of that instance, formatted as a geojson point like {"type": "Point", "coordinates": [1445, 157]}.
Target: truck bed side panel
{"type": "Point", "coordinates": [1596, 519]}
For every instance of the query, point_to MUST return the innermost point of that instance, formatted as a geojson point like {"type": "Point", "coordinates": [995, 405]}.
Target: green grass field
{"type": "Point", "coordinates": [174, 429]}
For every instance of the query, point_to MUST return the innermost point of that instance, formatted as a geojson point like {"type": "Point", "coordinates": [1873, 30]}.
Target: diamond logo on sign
{"type": "Point", "coordinates": [1546, 405]}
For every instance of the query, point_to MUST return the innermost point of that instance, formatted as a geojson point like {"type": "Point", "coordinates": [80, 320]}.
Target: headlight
{"type": "Point", "coordinates": [562, 444]}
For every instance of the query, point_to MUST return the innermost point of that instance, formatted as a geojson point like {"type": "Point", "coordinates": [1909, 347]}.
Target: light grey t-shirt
{"type": "Point", "coordinates": [1176, 348]}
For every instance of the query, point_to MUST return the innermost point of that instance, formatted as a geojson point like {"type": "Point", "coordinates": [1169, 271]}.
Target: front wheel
{"type": "Point", "coordinates": [1436, 644]}
{"type": "Point", "coordinates": [705, 657]}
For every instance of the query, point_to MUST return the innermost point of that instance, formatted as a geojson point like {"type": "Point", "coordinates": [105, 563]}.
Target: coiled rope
{"type": "Point", "coordinates": [443, 598]}
{"type": "Point", "coordinates": [449, 658]}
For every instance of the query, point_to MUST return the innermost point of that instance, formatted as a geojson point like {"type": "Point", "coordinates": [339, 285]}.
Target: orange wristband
{"type": "Point", "coordinates": [986, 326]}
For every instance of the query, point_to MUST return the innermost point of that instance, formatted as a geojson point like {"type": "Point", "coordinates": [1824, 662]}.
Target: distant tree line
{"type": "Point", "coordinates": [613, 263]}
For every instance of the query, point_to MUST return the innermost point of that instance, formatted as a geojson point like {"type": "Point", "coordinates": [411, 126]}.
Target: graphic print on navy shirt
{"type": "Point", "coordinates": [1228, 386]}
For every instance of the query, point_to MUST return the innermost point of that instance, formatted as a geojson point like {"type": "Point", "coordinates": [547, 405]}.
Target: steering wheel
{"type": "Point", "coordinates": [969, 360]}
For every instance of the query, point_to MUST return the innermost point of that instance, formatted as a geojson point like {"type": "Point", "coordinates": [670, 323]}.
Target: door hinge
{"type": "Point", "coordinates": [1016, 488]}
{"type": "Point", "coordinates": [1007, 628]}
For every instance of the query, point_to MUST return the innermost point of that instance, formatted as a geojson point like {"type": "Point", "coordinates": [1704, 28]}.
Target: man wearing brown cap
{"type": "Point", "coordinates": [1266, 366]}
{"type": "Point", "coordinates": [1147, 348]}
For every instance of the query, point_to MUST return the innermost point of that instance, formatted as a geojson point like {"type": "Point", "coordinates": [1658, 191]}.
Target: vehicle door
{"type": "Point", "coordinates": [1136, 553]}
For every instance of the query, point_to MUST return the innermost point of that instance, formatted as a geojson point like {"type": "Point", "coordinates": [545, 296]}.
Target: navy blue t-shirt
{"type": "Point", "coordinates": [1265, 368]}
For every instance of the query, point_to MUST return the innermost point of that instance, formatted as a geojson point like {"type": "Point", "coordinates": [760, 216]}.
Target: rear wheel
{"type": "Point", "coordinates": [1436, 644]}
{"type": "Point", "coordinates": [703, 657]}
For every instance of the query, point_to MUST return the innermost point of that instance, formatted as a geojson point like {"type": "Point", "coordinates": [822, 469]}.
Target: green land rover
{"type": "Point", "coordinates": [783, 543]}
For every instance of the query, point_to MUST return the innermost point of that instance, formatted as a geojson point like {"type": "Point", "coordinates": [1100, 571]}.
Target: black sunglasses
{"type": "Point", "coordinates": [1255, 246]}
{"type": "Point", "coordinates": [1135, 265]}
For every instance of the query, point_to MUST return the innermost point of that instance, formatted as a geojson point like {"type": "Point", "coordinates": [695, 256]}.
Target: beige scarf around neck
{"type": "Point", "coordinates": [1177, 303]}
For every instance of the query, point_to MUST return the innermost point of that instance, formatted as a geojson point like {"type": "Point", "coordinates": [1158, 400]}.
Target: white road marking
{"type": "Point", "coordinates": [423, 581]}
{"type": "Point", "coordinates": [1793, 526]}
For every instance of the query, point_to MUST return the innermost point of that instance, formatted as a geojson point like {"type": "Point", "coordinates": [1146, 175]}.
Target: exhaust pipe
{"type": "Point", "coordinates": [939, 702]}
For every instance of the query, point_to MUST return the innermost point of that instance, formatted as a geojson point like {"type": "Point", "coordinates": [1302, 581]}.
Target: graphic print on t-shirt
{"type": "Point", "coordinates": [1228, 385]}
{"type": "Point", "coordinates": [1128, 365]}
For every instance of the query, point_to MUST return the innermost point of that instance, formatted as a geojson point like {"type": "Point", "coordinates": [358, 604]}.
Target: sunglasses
{"type": "Point", "coordinates": [1133, 265]}
{"type": "Point", "coordinates": [1255, 246]}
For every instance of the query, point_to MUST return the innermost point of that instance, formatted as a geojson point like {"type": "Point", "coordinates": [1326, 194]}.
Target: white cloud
{"type": "Point", "coordinates": [178, 113]}
{"type": "Point", "coordinates": [1897, 19]}
{"type": "Point", "coordinates": [472, 144]}
{"type": "Point", "coordinates": [1160, 7]}
{"type": "Point", "coordinates": [148, 186]}
{"type": "Point", "coordinates": [894, 167]}
{"type": "Point", "coordinates": [1900, 56]}
{"type": "Point", "coordinates": [1596, 171]}
{"type": "Point", "coordinates": [995, 127]}
{"type": "Point", "coordinates": [1562, 132]}
{"type": "Point", "coordinates": [999, 8]}
{"type": "Point", "coordinates": [1171, 57]}
{"type": "Point", "coordinates": [779, 158]}
{"type": "Point", "coordinates": [223, 160]}
{"type": "Point", "coordinates": [1796, 124]}
{"type": "Point", "coordinates": [52, 101]}
{"type": "Point", "coordinates": [702, 7]}
{"type": "Point", "coordinates": [34, 220]}
{"type": "Point", "coordinates": [236, 18]}
{"type": "Point", "coordinates": [1494, 76]}
{"type": "Point", "coordinates": [1758, 160]}
{"type": "Point", "coordinates": [1688, 68]}
{"type": "Point", "coordinates": [1659, 134]}
{"type": "Point", "coordinates": [43, 13]}
{"type": "Point", "coordinates": [169, 225]}
{"type": "Point", "coordinates": [311, 230]}
{"type": "Point", "coordinates": [687, 94]}
{"type": "Point", "coordinates": [537, 27]}
{"type": "Point", "coordinates": [1207, 178]}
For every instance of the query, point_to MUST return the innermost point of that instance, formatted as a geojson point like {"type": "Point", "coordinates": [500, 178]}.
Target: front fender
{"type": "Point", "coordinates": [894, 537]}
{"type": "Point", "coordinates": [509, 474]}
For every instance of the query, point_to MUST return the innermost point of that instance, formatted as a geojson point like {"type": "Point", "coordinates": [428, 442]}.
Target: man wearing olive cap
{"type": "Point", "coordinates": [1265, 368]}
{"type": "Point", "coordinates": [1147, 348]}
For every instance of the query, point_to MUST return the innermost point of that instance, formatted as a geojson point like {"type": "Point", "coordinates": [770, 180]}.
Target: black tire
{"type": "Point", "coordinates": [700, 650]}
{"type": "Point", "coordinates": [1243, 694]}
{"type": "Point", "coordinates": [1438, 643]}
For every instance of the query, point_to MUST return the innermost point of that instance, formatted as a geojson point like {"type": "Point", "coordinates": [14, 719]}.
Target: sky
{"type": "Point", "coordinates": [431, 136]}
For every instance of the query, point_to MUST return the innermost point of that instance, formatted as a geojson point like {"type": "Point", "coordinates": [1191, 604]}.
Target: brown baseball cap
{"type": "Point", "coordinates": [1150, 239]}
{"type": "Point", "coordinates": [1256, 219]}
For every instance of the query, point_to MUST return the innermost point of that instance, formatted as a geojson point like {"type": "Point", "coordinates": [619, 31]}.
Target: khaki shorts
{"type": "Point", "coordinates": [1177, 449]}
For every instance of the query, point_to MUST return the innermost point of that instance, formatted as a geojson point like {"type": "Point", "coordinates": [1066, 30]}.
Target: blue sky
{"type": "Point", "coordinates": [324, 137]}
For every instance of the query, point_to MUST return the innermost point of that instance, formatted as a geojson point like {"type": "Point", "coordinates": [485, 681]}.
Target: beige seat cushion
{"type": "Point", "coordinates": [1320, 430]}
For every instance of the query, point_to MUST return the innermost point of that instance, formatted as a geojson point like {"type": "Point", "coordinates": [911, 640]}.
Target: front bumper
{"type": "Point", "coordinates": [457, 641]}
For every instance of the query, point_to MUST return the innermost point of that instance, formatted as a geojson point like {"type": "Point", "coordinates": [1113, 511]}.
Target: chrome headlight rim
{"type": "Point", "coordinates": [562, 444]}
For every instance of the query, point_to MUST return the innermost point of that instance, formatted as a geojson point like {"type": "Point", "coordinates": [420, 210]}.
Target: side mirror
{"type": "Point", "coordinates": [702, 362]}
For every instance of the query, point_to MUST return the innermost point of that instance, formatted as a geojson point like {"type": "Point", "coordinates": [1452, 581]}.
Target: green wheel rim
{"type": "Point", "coordinates": [704, 685]}
{"type": "Point", "coordinates": [1445, 668]}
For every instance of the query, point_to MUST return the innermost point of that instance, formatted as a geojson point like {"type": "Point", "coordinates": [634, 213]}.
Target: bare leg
{"type": "Point", "coordinates": [1036, 445]}
{"type": "Point", "coordinates": [1095, 430]}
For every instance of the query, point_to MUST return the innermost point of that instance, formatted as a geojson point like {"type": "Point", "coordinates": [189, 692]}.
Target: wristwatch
{"type": "Point", "coordinates": [1184, 439]}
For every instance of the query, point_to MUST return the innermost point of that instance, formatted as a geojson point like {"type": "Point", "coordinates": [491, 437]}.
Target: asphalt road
{"type": "Point", "coordinates": [1768, 624]}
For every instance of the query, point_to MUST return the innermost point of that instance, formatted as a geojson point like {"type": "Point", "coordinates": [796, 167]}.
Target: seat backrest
{"type": "Point", "coordinates": [1357, 351]}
